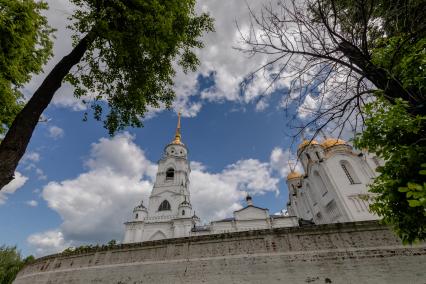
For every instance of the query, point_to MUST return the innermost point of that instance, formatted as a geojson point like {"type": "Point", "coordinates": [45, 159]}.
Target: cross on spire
{"type": "Point", "coordinates": [177, 139]}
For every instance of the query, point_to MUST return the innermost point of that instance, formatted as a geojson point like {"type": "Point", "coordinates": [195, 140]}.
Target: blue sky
{"type": "Point", "coordinates": [77, 185]}
{"type": "Point", "coordinates": [220, 135]}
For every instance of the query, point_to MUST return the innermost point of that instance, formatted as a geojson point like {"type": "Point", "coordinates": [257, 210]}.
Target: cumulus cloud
{"type": "Point", "coordinates": [32, 203]}
{"type": "Point", "coordinates": [13, 186]}
{"type": "Point", "coordinates": [40, 174]}
{"type": "Point", "coordinates": [281, 161]}
{"type": "Point", "coordinates": [94, 205]}
{"type": "Point", "coordinates": [216, 196]}
{"type": "Point", "coordinates": [31, 157]}
{"type": "Point", "coordinates": [226, 66]}
{"type": "Point", "coordinates": [48, 242]}
{"type": "Point", "coordinates": [30, 161]}
{"type": "Point", "coordinates": [56, 132]}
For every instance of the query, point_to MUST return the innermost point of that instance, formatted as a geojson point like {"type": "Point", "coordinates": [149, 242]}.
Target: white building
{"type": "Point", "coordinates": [170, 214]}
{"type": "Point", "coordinates": [248, 218]}
{"type": "Point", "coordinates": [333, 187]}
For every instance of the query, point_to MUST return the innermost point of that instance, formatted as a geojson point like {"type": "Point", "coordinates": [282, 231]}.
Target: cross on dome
{"type": "Point", "coordinates": [178, 136]}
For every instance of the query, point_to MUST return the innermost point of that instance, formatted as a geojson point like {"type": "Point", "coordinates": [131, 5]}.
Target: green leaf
{"type": "Point", "coordinates": [414, 203]}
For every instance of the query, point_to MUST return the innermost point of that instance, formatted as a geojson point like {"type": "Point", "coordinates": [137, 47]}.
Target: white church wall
{"type": "Point", "coordinates": [153, 230]}
{"type": "Point", "coordinates": [284, 221]}
{"type": "Point", "coordinates": [251, 213]}
{"type": "Point", "coordinates": [222, 226]}
{"type": "Point", "coordinates": [247, 225]}
{"type": "Point", "coordinates": [334, 187]}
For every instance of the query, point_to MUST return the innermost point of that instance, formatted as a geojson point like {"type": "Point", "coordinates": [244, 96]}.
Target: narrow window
{"type": "Point", "coordinates": [318, 156]}
{"type": "Point", "coordinates": [183, 212]}
{"type": "Point", "coordinates": [294, 190]}
{"type": "Point", "coordinates": [165, 205]}
{"type": "Point", "coordinates": [136, 216]}
{"type": "Point", "coordinates": [348, 175]}
{"type": "Point", "coordinates": [170, 174]}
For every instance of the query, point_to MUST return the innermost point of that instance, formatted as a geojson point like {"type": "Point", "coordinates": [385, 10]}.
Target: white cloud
{"type": "Point", "coordinates": [40, 174]}
{"type": "Point", "coordinates": [216, 196]}
{"type": "Point", "coordinates": [30, 160]}
{"type": "Point", "coordinates": [48, 242]}
{"type": "Point", "coordinates": [56, 132]}
{"type": "Point", "coordinates": [94, 205]}
{"type": "Point", "coordinates": [219, 59]}
{"type": "Point", "coordinates": [59, 11]}
{"type": "Point", "coordinates": [282, 160]}
{"type": "Point", "coordinates": [32, 203]}
{"type": "Point", "coordinates": [308, 107]}
{"type": "Point", "coordinates": [13, 186]}
{"type": "Point", "coordinates": [31, 157]}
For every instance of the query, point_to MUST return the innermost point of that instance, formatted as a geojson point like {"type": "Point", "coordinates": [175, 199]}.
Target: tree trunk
{"type": "Point", "coordinates": [14, 144]}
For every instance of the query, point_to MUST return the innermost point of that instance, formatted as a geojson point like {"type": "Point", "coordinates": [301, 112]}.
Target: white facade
{"type": "Point", "coordinates": [169, 213]}
{"type": "Point", "coordinates": [333, 187]}
{"type": "Point", "coordinates": [246, 219]}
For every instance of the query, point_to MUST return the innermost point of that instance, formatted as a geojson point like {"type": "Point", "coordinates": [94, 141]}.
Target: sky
{"type": "Point", "coordinates": [77, 185]}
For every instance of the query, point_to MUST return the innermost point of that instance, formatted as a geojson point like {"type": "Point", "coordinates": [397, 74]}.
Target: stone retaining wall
{"type": "Point", "coordinates": [361, 252]}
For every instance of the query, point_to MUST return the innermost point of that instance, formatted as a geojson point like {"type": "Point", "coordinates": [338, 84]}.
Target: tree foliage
{"type": "Point", "coordinates": [10, 263]}
{"type": "Point", "coordinates": [398, 137]}
{"type": "Point", "coordinates": [25, 47]}
{"type": "Point", "coordinates": [125, 53]}
{"type": "Point", "coordinates": [130, 61]}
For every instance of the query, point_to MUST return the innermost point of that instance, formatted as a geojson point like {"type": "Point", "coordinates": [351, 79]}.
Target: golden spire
{"type": "Point", "coordinates": [177, 135]}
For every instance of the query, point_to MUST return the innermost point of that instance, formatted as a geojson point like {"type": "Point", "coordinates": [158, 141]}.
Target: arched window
{"type": "Point", "coordinates": [183, 212]}
{"type": "Point", "coordinates": [349, 172]}
{"type": "Point", "coordinates": [165, 205]}
{"type": "Point", "coordinates": [136, 217]}
{"type": "Point", "coordinates": [170, 174]}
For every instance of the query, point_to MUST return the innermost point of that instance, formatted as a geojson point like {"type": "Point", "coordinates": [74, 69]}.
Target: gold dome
{"type": "Point", "coordinates": [293, 175]}
{"type": "Point", "coordinates": [330, 142]}
{"type": "Point", "coordinates": [306, 142]}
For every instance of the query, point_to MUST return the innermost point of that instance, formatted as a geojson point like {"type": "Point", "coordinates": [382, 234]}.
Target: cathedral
{"type": "Point", "coordinates": [331, 189]}
{"type": "Point", "coordinates": [334, 185]}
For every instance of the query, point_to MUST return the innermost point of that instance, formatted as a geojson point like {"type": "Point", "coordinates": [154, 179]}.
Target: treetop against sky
{"type": "Point", "coordinates": [77, 185]}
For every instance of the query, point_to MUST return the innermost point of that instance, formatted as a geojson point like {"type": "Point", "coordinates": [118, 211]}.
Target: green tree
{"type": "Point", "coordinates": [25, 48]}
{"type": "Point", "coordinates": [127, 50]}
{"type": "Point", "coordinates": [396, 136]}
{"type": "Point", "coordinates": [10, 263]}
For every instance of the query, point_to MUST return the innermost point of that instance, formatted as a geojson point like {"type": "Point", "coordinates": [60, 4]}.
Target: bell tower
{"type": "Point", "coordinates": [171, 187]}
{"type": "Point", "coordinates": [169, 213]}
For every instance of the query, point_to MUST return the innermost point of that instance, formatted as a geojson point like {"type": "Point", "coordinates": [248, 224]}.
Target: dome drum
{"type": "Point", "coordinates": [294, 175]}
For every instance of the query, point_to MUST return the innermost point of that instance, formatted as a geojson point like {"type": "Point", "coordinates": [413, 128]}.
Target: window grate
{"type": "Point", "coordinates": [348, 175]}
